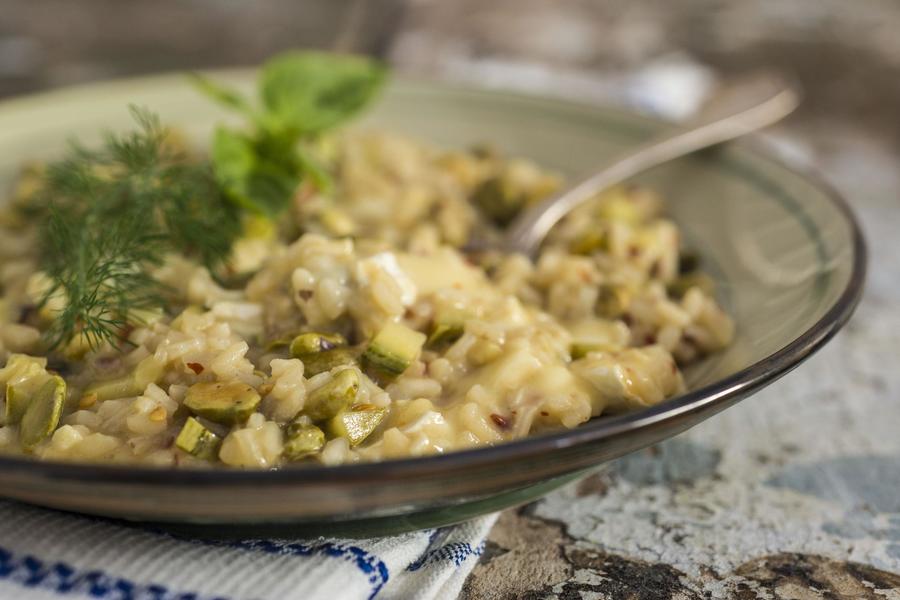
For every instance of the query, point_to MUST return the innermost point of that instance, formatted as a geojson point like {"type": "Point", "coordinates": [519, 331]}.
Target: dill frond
{"type": "Point", "coordinates": [111, 214]}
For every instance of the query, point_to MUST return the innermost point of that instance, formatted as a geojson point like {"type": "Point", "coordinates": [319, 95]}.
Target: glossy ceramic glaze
{"type": "Point", "coordinates": [786, 252]}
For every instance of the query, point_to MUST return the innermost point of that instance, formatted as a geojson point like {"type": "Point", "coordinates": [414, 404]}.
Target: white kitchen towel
{"type": "Point", "coordinates": [50, 555]}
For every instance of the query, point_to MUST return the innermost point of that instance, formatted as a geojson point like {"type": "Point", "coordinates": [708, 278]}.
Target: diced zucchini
{"type": "Point", "coordinates": [279, 343]}
{"type": "Point", "coordinates": [322, 352]}
{"type": "Point", "coordinates": [443, 334]}
{"type": "Point", "coordinates": [356, 425]}
{"type": "Point", "coordinates": [449, 325]}
{"type": "Point", "coordinates": [16, 403]}
{"type": "Point", "coordinates": [498, 200]}
{"type": "Point", "coordinates": [393, 349]}
{"type": "Point", "coordinates": [581, 349]}
{"type": "Point", "coordinates": [325, 361]}
{"type": "Point", "coordinates": [517, 184]}
{"type": "Point", "coordinates": [226, 403]}
{"type": "Point", "coordinates": [589, 242]}
{"type": "Point", "coordinates": [333, 397]}
{"type": "Point", "coordinates": [43, 412]}
{"type": "Point", "coordinates": [197, 440]}
{"type": "Point", "coordinates": [147, 371]}
{"type": "Point", "coordinates": [302, 440]}
{"type": "Point", "coordinates": [681, 284]}
{"type": "Point", "coordinates": [312, 343]}
{"type": "Point", "coordinates": [21, 366]}
{"type": "Point", "coordinates": [23, 375]}
{"type": "Point", "coordinates": [120, 387]}
{"type": "Point", "coordinates": [612, 301]}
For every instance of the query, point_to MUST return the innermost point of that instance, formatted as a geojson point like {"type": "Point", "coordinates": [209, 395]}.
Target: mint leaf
{"type": "Point", "coordinates": [249, 176]}
{"type": "Point", "coordinates": [233, 159]}
{"type": "Point", "coordinates": [303, 94]}
{"type": "Point", "coordinates": [308, 92]}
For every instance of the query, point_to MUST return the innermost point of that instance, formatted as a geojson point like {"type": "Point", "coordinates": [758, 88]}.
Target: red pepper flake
{"type": "Point", "coordinates": [125, 331]}
{"type": "Point", "coordinates": [649, 339]}
{"type": "Point", "coordinates": [544, 413]}
{"type": "Point", "coordinates": [500, 421]}
{"type": "Point", "coordinates": [195, 367]}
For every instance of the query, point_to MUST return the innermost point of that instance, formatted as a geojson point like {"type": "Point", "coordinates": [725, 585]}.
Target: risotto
{"type": "Point", "coordinates": [357, 330]}
{"type": "Point", "coordinates": [293, 295]}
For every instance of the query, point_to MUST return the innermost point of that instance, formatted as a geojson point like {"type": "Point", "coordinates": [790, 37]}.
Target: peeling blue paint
{"type": "Point", "coordinates": [857, 482]}
{"type": "Point", "coordinates": [674, 461]}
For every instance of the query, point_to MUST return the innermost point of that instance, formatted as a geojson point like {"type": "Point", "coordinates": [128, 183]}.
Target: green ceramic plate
{"type": "Point", "coordinates": [786, 250]}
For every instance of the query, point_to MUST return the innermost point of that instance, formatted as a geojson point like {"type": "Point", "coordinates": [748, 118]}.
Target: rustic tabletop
{"type": "Point", "coordinates": [794, 493]}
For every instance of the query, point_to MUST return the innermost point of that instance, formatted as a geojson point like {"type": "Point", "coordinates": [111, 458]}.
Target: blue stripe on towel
{"type": "Point", "coordinates": [65, 579]}
{"type": "Point", "coordinates": [370, 565]}
{"type": "Point", "coordinates": [32, 572]}
{"type": "Point", "coordinates": [457, 552]}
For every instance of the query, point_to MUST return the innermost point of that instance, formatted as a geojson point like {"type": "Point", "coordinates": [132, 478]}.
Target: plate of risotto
{"type": "Point", "coordinates": [247, 297]}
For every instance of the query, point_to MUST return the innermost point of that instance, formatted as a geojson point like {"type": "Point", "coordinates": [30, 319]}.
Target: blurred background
{"type": "Point", "coordinates": [846, 54]}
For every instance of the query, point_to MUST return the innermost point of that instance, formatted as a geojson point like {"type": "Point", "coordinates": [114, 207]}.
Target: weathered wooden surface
{"type": "Point", "coordinates": [795, 493]}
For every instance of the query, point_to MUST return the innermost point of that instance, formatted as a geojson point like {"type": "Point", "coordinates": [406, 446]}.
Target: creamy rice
{"type": "Point", "coordinates": [602, 321]}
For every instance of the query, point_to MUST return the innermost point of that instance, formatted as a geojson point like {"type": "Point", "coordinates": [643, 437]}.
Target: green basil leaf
{"type": "Point", "coordinates": [307, 92]}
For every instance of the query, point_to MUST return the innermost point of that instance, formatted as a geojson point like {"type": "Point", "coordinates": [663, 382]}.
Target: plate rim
{"type": "Point", "coordinates": [720, 392]}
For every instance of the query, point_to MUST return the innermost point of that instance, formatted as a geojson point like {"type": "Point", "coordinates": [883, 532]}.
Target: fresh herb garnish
{"type": "Point", "coordinates": [108, 215]}
{"type": "Point", "coordinates": [302, 94]}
